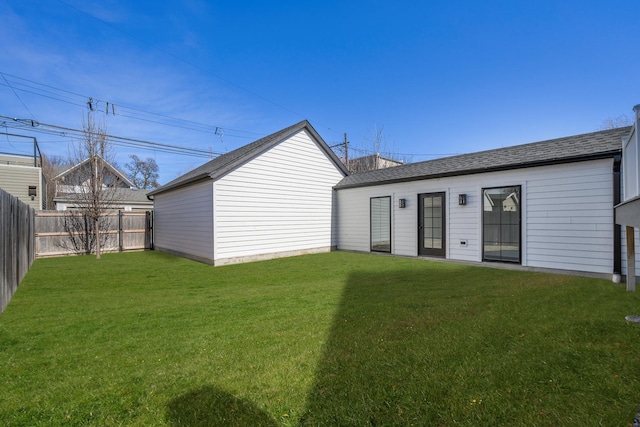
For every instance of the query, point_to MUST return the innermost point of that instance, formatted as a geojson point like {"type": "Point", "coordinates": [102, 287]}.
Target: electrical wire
{"type": "Point", "coordinates": [368, 152]}
{"type": "Point", "coordinates": [51, 129]}
{"type": "Point", "coordinates": [124, 110]}
{"type": "Point", "coordinates": [191, 64]}
{"type": "Point", "coordinates": [17, 96]}
{"type": "Point", "coordinates": [79, 100]}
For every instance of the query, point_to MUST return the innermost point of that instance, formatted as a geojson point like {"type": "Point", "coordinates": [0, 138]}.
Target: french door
{"type": "Point", "coordinates": [431, 225]}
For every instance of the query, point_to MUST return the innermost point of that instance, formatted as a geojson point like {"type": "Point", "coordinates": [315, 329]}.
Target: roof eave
{"type": "Point", "coordinates": [303, 125]}
{"type": "Point", "coordinates": [512, 166]}
{"type": "Point", "coordinates": [193, 180]}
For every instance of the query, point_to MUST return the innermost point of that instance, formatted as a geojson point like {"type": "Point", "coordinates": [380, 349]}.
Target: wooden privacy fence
{"type": "Point", "coordinates": [17, 244]}
{"type": "Point", "coordinates": [68, 232]}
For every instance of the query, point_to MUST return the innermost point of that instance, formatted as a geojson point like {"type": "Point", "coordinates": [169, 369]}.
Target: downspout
{"type": "Point", "coordinates": [617, 229]}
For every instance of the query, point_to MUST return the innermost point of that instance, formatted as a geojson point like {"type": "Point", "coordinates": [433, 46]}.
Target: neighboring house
{"type": "Point", "coordinates": [21, 176]}
{"type": "Point", "coordinates": [627, 212]}
{"type": "Point", "coordinates": [371, 162]}
{"type": "Point", "coordinates": [547, 204]}
{"type": "Point", "coordinates": [71, 183]}
{"type": "Point", "coordinates": [268, 199]}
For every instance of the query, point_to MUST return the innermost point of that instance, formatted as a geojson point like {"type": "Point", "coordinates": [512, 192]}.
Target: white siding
{"type": "Point", "coordinates": [183, 221]}
{"type": "Point", "coordinates": [567, 215]}
{"type": "Point", "coordinates": [279, 202]}
{"type": "Point", "coordinates": [16, 179]}
{"type": "Point", "coordinates": [631, 166]}
{"type": "Point", "coordinates": [623, 251]}
{"type": "Point", "coordinates": [570, 217]}
{"type": "Point", "coordinates": [462, 221]}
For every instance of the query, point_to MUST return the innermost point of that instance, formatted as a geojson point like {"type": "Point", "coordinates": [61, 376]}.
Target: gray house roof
{"type": "Point", "coordinates": [602, 144]}
{"type": "Point", "coordinates": [227, 162]}
{"type": "Point", "coordinates": [122, 195]}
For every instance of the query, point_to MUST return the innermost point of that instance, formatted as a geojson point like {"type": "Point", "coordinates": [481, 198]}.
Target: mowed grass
{"type": "Point", "coordinates": [331, 339]}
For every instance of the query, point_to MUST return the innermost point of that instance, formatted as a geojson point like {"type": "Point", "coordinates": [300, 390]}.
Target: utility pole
{"type": "Point", "coordinates": [346, 151]}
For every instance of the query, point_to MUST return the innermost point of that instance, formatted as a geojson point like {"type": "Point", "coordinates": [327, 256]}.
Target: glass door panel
{"type": "Point", "coordinates": [501, 224]}
{"type": "Point", "coordinates": [431, 224]}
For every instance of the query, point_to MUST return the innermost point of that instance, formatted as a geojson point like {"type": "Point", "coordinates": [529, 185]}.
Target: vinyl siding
{"type": "Point", "coordinates": [631, 189]}
{"type": "Point", "coordinates": [624, 250]}
{"type": "Point", "coordinates": [570, 217]}
{"type": "Point", "coordinates": [183, 221]}
{"type": "Point", "coordinates": [16, 179]}
{"type": "Point", "coordinates": [567, 215]}
{"type": "Point", "coordinates": [461, 221]}
{"type": "Point", "coordinates": [281, 201]}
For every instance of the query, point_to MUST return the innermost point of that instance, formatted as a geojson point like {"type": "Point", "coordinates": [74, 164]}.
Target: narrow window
{"type": "Point", "coordinates": [501, 224]}
{"type": "Point", "coordinates": [381, 224]}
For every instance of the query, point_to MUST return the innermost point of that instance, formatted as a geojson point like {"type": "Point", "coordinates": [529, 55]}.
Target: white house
{"type": "Point", "coordinates": [548, 204]}
{"type": "Point", "coordinates": [627, 212]}
{"type": "Point", "coordinates": [72, 183]}
{"type": "Point", "coordinates": [268, 199]}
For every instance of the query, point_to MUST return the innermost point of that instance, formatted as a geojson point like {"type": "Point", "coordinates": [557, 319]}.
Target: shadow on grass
{"type": "Point", "coordinates": [210, 406]}
{"type": "Point", "coordinates": [366, 375]}
{"type": "Point", "coordinates": [387, 359]}
{"type": "Point", "coordinates": [377, 365]}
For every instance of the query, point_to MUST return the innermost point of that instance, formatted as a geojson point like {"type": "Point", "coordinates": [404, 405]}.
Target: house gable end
{"type": "Point", "coordinates": [116, 172]}
{"type": "Point", "coordinates": [280, 201]}
{"type": "Point", "coordinates": [224, 164]}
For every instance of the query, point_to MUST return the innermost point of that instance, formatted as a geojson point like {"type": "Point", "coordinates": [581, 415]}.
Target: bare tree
{"type": "Point", "coordinates": [80, 236]}
{"type": "Point", "coordinates": [382, 156]}
{"type": "Point", "coordinates": [143, 173]}
{"type": "Point", "coordinates": [616, 122]}
{"type": "Point", "coordinates": [91, 184]}
{"type": "Point", "coordinates": [51, 167]}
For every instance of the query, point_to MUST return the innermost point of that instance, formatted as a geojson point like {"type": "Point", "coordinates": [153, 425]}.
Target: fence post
{"type": "Point", "coordinates": [120, 232]}
{"type": "Point", "coordinates": [148, 235]}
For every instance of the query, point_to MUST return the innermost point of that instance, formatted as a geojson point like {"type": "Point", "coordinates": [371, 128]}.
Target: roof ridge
{"type": "Point", "coordinates": [590, 145]}
{"type": "Point", "coordinates": [224, 163]}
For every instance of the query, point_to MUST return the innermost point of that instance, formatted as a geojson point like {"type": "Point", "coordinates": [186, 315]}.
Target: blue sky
{"type": "Point", "coordinates": [438, 77]}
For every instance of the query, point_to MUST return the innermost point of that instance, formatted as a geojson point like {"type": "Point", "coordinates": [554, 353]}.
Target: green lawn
{"type": "Point", "coordinates": [331, 339]}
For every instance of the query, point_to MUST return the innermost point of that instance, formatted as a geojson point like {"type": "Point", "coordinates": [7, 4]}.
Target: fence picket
{"type": "Point", "coordinates": [26, 234]}
{"type": "Point", "coordinates": [126, 231]}
{"type": "Point", "coordinates": [16, 220]}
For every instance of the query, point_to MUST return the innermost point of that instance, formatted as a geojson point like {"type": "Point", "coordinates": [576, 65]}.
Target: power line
{"type": "Point", "coordinates": [17, 96]}
{"type": "Point", "coordinates": [391, 154]}
{"type": "Point", "coordinates": [189, 63]}
{"type": "Point", "coordinates": [80, 100]}
{"type": "Point", "coordinates": [52, 129]}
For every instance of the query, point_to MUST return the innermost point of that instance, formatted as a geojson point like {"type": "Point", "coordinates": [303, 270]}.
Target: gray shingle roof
{"type": "Point", "coordinates": [122, 195]}
{"type": "Point", "coordinates": [593, 145]}
{"type": "Point", "coordinates": [223, 164]}
{"type": "Point", "coordinates": [134, 195]}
